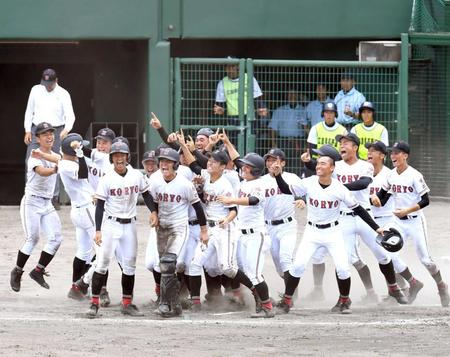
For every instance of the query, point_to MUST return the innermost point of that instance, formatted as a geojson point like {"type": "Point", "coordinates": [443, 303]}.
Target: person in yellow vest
{"type": "Point", "coordinates": [369, 130]}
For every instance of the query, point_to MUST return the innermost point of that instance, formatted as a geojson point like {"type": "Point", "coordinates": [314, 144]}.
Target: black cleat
{"type": "Point", "coordinates": [16, 277]}
{"type": "Point", "coordinates": [92, 312]}
{"type": "Point", "coordinates": [283, 307]}
{"type": "Point", "coordinates": [75, 293]}
{"type": "Point", "coordinates": [130, 310]}
{"type": "Point", "coordinates": [399, 296]}
{"type": "Point", "coordinates": [342, 307]}
{"type": "Point", "coordinates": [105, 301]}
{"type": "Point", "coordinates": [82, 286]}
{"type": "Point", "coordinates": [38, 277]}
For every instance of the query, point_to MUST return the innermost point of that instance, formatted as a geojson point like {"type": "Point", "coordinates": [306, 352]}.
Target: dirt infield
{"type": "Point", "coordinates": [39, 322]}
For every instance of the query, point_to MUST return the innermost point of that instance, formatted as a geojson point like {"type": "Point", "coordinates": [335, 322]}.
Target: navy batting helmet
{"type": "Point", "coordinates": [391, 240]}
{"type": "Point", "coordinates": [171, 155]}
{"type": "Point", "coordinates": [256, 162]}
{"type": "Point", "coordinates": [328, 150]}
{"type": "Point", "coordinates": [121, 139]}
{"type": "Point", "coordinates": [329, 106]}
{"type": "Point", "coordinates": [367, 105]}
{"type": "Point", "coordinates": [119, 147]}
{"type": "Point", "coordinates": [65, 143]}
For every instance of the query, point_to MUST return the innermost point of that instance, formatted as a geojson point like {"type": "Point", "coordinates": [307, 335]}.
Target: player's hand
{"type": "Point", "coordinates": [63, 134]}
{"type": "Point", "coordinates": [172, 138]}
{"type": "Point", "coordinates": [204, 235]}
{"type": "Point", "coordinates": [214, 138]}
{"type": "Point", "coordinates": [401, 212]}
{"type": "Point", "coordinates": [299, 203]}
{"type": "Point", "coordinates": [225, 200]}
{"type": "Point", "coordinates": [27, 138]}
{"type": "Point", "coordinates": [306, 157]}
{"type": "Point", "coordinates": [75, 144]}
{"type": "Point", "coordinates": [380, 231]}
{"type": "Point", "coordinates": [36, 154]}
{"type": "Point", "coordinates": [375, 200]}
{"type": "Point", "coordinates": [154, 122]}
{"type": "Point", "coordinates": [190, 144]}
{"type": "Point", "coordinates": [154, 221]}
{"type": "Point", "coordinates": [218, 110]}
{"type": "Point", "coordinates": [180, 137]}
{"type": "Point", "coordinates": [262, 112]}
{"type": "Point", "coordinates": [224, 137]}
{"type": "Point", "coordinates": [198, 180]}
{"type": "Point", "coordinates": [223, 223]}
{"type": "Point", "coordinates": [275, 169]}
{"type": "Point", "coordinates": [98, 238]}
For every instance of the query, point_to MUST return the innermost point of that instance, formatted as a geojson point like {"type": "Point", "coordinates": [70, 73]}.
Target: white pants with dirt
{"type": "Point", "coordinates": [283, 238]}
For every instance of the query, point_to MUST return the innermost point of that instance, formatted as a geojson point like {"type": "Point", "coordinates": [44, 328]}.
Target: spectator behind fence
{"type": "Point", "coordinates": [348, 101]}
{"type": "Point", "coordinates": [288, 126]}
{"type": "Point", "coordinates": [314, 108]}
{"type": "Point", "coordinates": [369, 130]}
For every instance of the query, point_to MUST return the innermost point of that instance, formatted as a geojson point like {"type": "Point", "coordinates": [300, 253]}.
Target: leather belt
{"type": "Point", "coordinates": [193, 223]}
{"type": "Point", "coordinates": [212, 223]}
{"type": "Point", "coordinates": [44, 198]}
{"type": "Point", "coordinates": [280, 221]}
{"type": "Point", "coordinates": [404, 218]}
{"type": "Point", "coordinates": [324, 226]}
{"type": "Point", "coordinates": [122, 220]}
{"type": "Point", "coordinates": [248, 231]}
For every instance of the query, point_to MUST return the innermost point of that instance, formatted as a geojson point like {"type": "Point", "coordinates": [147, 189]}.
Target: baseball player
{"type": "Point", "coordinates": [115, 222]}
{"type": "Point", "coordinates": [279, 214]}
{"type": "Point", "coordinates": [384, 215]}
{"type": "Point", "coordinates": [410, 193]}
{"type": "Point", "coordinates": [37, 212]}
{"type": "Point", "coordinates": [173, 194]}
{"type": "Point", "coordinates": [369, 130]}
{"type": "Point", "coordinates": [253, 241]}
{"type": "Point", "coordinates": [324, 196]}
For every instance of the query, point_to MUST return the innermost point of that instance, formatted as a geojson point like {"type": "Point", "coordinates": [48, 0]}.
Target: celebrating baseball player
{"type": "Point", "coordinates": [37, 212]}
{"type": "Point", "coordinates": [410, 193]}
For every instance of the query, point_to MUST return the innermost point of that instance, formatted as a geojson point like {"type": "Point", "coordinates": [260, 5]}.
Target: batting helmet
{"type": "Point", "coordinates": [367, 105]}
{"type": "Point", "coordinates": [171, 155]}
{"type": "Point", "coordinates": [119, 147]}
{"type": "Point", "coordinates": [121, 139]}
{"type": "Point", "coordinates": [65, 143]}
{"type": "Point", "coordinates": [329, 106]}
{"type": "Point", "coordinates": [328, 150]}
{"type": "Point", "coordinates": [391, 240]}
{"type": "Point", "coordinates": [256, 162]}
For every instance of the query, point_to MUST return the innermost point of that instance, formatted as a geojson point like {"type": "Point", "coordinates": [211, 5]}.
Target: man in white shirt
{"type": "Point", "coordinates": [48, 102]}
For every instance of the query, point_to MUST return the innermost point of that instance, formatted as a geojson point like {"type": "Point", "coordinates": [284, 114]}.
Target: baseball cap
{"type": "Point", "coordinates": [276, 153]}
{"type": "Point", "coordinates": [349, 136]}
{"type": "Point", "coordinates": [347, 75]}
{"type": "Point", "coordinates": [43, 127]}
{"type": "Point", "coordinates": [328, 150]}
{"type": "Point", "coordinates": [48, 77]}
{"type": "Point", "coordinates": [149, 156]}
{"type": "Point", "coordinates": [106, 134]}
{"type": "Point", "coordinates": [220, 156]}
{"type": "Point", "coordinates": [205, 131]}
{"type": "Point", "coordinates": [378, 146]}
{"type": "Point", "coordinates": [400, 146]}
{"type": "Point", "coordinates": [121, 139]}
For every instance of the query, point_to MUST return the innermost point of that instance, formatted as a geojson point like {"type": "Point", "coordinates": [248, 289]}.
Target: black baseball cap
{"type": "Point", "coordinates": [328, 150]}
{"type": "Point", "coordinates": [205, 131]}
{"type": "Point", "coordinates": [48, 77]}
{"type": "Point", "coordinates": [149, 156]}
{"type": "Point", "coordinates": [349, 136]}
{"type": "Point", "coordinates": [378, 146]}
{"type": "Point", "coordinates": [106, 134]}
{"type": "Point", "coordinates": [276, 153]}
{"type": "Point", "coordinates": [122, 139]}
{"type": "Point", "coordinates": [220, 156]}
{"type": "Point", "coordinates": [400, 146]}
{"type": "Point", "coordinates": [347, 75]}
{"type": "Point", "coordinates": [44, 127]}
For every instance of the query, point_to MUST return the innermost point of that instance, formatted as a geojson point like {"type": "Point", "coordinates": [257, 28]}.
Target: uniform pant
{"type": "Point", "coordinates": [328, 240]}
{"type": "Point", "coordinates": [83, 220]}
{"type": "Point", "coordinates": [38, 214]}
{"type": "Point", "coordinates": [173, 240]}
{"type": "Point", "coordinates": [283, 238]}
{"type": "Point", "coordinates": [151, 253]}
{"type": "Point", "coordinates": [219, 255]}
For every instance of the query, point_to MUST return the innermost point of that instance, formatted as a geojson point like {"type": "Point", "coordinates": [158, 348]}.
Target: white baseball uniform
{"type": "Point", "coordinates": [36, 209]}
{"type": "Point", "coordinates": [82, 211]}
{"type": "Point", "coordinates": [323, 230]}
{"type": "Point", "coordinates": [151, 253]}
{"type": "Point", "coordinates": [279, 215]}
{"type": "Point", "coordinates": [98, 165]}
{"type": "Point", "coordinates": [120, 194]}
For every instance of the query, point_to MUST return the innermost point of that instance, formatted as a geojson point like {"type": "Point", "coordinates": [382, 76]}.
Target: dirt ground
{"type": "Point", "coordinates": [39, 322]}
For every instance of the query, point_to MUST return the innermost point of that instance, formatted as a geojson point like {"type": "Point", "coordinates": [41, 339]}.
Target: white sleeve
{"type": "Point", "coordinates": [385, 185]}
{"type": "Point", "coordinates": [220, 93]}
{"type": "Point", "coordinates": [385, 137]}
{"type": "Point", "coordinates": [29, 112]}
{"type": "Point", "coordinates": [143, 184]}
{"type": "Point", "coordinates": [420, 185]}
{"type": "Point", "coordinates": [191, 193]}
{"type": "Point", "coordinates": [102, 189]}
{"type": "Point", "coordinates": [348, 198]}
{"type": "Point", "coordinates": [70, 169]}
{"type": "Point", "coordinates": [227, 191]}
{"type": "Point", "coordinates": [353, 130]}
{"type": "Point", "coordinates": [256, 89]}
{"type": "Point", "coordinates": [297, 186]}
{"type": "Point", "coordinates": [368, 170]}
{"type": "Point", "coordinates": [68, 112]}
{"type": "Point", "coordinates": [32, 163]}
{"type": "Point", "coordinates": [274, 122]}
{"type": "Point", "coordinates": [312, 136]}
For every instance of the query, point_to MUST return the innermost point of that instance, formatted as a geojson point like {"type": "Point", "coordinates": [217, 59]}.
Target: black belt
{"type": "Point", "coordinates": [280, 221]}
{"type": "Point", "coordinates": [213, 223]}
{"type": "Point", "coordinates": [122, 220]}
{"type": "Point", "coordinates": [404, 218]}
{"type": "Point", "coordinates": [353, 214]}
{"type": "Point", "coordinates": [324, 226]}
{"type": "Point", "coordinates": [44, 198]}
{"type": "Point", "coordinates": [193, 223]}
{"type": "Point", "coordinates": [248, 231]}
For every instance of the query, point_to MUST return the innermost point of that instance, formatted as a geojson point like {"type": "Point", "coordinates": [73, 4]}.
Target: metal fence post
{"type": "Point", "coordinates": [241, 106]}
{"type": "Point", "coordinates": [178, 98]}
{"type": "Point", "coordinates": [402, 117]}
{"type": "Point", "coordinates": [251, 139]}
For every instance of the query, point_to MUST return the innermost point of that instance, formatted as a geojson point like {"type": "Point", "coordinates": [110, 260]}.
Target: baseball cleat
{"type": "Point", "coordinates": [399, 296]}
{"type": "Point", "coordinates": [105, 301]}
{"type": "Point", "coordinates": [92, 312]}
{"type": "Point", "coordinates": [82, 286]}
{"type": "Point", "coordinates": [263, 313]}
{"type": "Point", "coordinates": [38, 277]}
{"type": "Point", "coordinates": [16, 277]}
{"type": "Point", "coordinates": [342, 307]}
{"type": "Point", "coordinates": [75, 293]}
{"type": "Point", "coordinates": [443, 294]}
{"type": "Point", "coordinates": [414, 290]}
{"type": "Point", "coordinates": [131, 310]}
